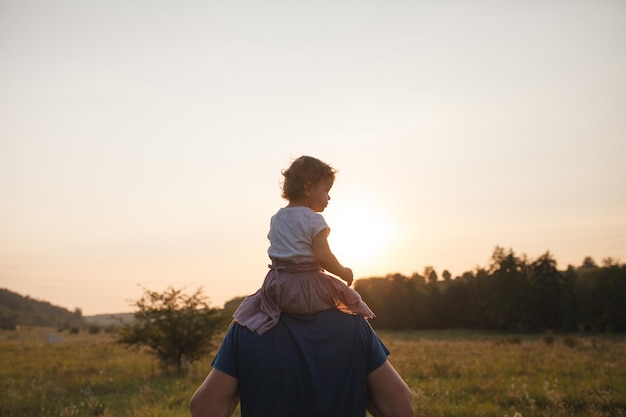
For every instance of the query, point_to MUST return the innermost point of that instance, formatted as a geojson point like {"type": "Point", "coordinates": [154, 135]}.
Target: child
{"type": "Point", "coordinates": [296, 282]}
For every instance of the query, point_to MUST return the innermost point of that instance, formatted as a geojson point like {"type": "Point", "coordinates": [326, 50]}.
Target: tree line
{"type": "Point", "coordinates": [512, 294]}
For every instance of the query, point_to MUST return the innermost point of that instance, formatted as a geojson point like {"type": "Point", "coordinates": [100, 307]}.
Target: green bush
{"type": "Point", "coordinates": [177, 328]}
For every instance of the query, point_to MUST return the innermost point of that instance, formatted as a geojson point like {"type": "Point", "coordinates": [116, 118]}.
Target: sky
{"type": "Point", "coordinates": [142, 142]}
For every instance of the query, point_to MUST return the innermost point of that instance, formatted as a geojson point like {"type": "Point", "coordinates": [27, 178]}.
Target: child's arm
{"type": "Point", "coordinates": [327, 260]}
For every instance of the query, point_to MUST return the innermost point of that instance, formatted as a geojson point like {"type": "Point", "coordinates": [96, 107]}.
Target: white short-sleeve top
{"type": "Point", "coordinates": [291, 234]}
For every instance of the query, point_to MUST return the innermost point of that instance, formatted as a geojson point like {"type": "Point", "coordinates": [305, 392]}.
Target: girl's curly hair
{"type": "Point", "coordinates": [302, 170]}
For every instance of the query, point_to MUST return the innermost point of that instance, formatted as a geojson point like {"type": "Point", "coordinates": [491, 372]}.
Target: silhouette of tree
{"type": "Point", "coordinates": [430, 274]}
{"type": "Point", "coordinates": [446, 275]}
{"type": "Point", "coordinates": [510, 290]}
{"type": "Point", "coordinates": [177, 328]}
{"type": "Point", "coordinates": [588, 262]}
{"type": "Point", "coordinates": [546, 295]}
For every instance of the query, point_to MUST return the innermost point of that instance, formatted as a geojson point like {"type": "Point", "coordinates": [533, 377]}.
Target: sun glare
{"type": "Point", "coordinates": [360, 234]}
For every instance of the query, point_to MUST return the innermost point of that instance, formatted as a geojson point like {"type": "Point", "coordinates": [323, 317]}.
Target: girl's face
{"type": "Point", "coordinates": [317, 196]}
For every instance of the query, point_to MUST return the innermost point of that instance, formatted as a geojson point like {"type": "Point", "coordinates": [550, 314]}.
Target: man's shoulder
{"type": "Point", "coordinates": [329, 318]}
{"type": "Point", "coordinates": [324, 323]}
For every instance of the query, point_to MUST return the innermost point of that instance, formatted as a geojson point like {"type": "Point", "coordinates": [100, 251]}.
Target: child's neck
{"type": "Point", "coordinates": [298, 203]}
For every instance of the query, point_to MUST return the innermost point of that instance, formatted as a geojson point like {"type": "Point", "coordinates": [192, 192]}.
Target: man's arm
{"type": "Point", "coordinates": [387, 394]}
{"type": "Point", "coordinates": [217, 396]}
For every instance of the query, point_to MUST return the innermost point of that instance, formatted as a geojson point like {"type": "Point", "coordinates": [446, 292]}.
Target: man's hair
{"type": "Point", "coordinates": [302, 170]}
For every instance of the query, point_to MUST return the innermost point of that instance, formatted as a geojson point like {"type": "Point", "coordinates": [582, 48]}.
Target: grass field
{"type": "Point", "coordinates": [450, 373]}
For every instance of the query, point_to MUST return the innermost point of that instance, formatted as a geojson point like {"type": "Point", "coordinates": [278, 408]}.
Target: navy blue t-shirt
{"type": "Point", "coordinates": [305, 366]}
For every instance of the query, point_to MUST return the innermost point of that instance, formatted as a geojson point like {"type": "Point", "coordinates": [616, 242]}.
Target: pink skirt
{"type": "Point", "coordinates": [302, 289]}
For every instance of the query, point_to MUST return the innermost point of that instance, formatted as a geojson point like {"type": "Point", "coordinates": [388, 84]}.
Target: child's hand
{"type": "Point", "coordinates": [348, 276]}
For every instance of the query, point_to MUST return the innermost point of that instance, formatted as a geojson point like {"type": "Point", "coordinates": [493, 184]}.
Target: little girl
{"type": "Point", "coordinates": [296, 282]}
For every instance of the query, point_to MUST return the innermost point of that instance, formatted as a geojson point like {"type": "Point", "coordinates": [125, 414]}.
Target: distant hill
{"type": "Point", "coordinates": [18, 310]}
{"type": "Point", "coordinates": [105, 320]}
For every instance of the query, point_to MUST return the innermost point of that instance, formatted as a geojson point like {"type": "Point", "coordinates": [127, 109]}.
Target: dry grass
{"type": "Point", "coordinates": [450, 374]}
{"type": "Point", "coordinates": [498, 376]}
{"type": "Point", "coordinates": [87, 375]}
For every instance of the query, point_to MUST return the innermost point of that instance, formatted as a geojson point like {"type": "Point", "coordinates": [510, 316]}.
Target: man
{"type": "Point", "coordinates": [330, 364]}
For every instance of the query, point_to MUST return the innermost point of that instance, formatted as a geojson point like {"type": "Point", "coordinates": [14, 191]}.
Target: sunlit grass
{"type": "Point", "coordinates": [506, 375]}
{"type": "Point", "coordinates": [88, 375]}
{"type": "Point", "coordinates": [450, 373]}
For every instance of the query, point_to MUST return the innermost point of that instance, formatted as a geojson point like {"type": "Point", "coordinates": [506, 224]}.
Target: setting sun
{"type": "Point", "coordinates": [360, 233]}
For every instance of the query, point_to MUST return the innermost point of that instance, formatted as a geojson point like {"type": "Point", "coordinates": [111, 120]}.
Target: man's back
{"type": "Point", "coordinates": [305, 366]}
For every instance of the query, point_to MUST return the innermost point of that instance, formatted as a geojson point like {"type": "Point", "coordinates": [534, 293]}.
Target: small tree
{"type": "Point", "coordinates": [177, 328]}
